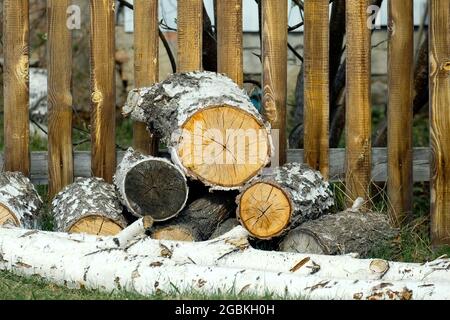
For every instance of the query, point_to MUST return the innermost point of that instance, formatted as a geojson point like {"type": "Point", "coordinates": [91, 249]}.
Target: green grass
{"type": "Point", "coordinates": [413, 243]}
{"type": "Point", "coordinates": [13, 287]}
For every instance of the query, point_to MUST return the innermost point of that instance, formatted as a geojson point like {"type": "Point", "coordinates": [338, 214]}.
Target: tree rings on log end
{"type": "Point", "coordinates": [149, 185]}
{"type": "Point", "coordinates": [173, 233]}
{"type": "Point", "coordinates": [223, 146]}
{"type": "Point", "coordinates": [96, 225]}
{"type": "Point", "coordinates": [265, 210]}
{"type": "Point", "coordinates": [7, 217]}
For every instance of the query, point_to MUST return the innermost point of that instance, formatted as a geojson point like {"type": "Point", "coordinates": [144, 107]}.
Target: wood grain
{"type": "Point", "coordinates": [400, 108]}
{"type": "Point", "coordinates": [146, 64]}
{"type": "Point", "coordinates": [60, 167]}
{"type": "Point", "coordinates": [358, 104]}
{"type": "Point", "coordinates": [229, 39]}
{"type": "Point", "coordinates": [440, 120]}
{"type": "Point", "coordinates": [16, 53]}
{"type": "Point", "coordinates": [103, 115]}
{"type": "Point", "coordinates": [316, 87]}
{"type": "Point", "coordinates": [190, 31]}
{"type": "Point", "coordinates": [274, 59]}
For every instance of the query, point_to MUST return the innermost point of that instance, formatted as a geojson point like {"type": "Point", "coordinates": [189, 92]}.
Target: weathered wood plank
{"type": "Point", "coordinates": [103, 97]}
{"type": "Point", "coordinates": [316, 88]}
{"type": "Point", "coordinates": [400, 110]}
{"type": "Point", "coordinates": [274, 59]}
{"type": "Point", "coordinates": [16, 53]}
{"type": "Point", "coordinates": [229, 39]}
{"type": "Point", "coordinates": [82, 164]}
{"type": "Point", "coordinates": [146, 64]}
{"type": "Point", "coordinates": [190, 30]}
{"type": "Point", "coordinates": [358, 104]}
{"type": "Point", "coordinates": [421, 163]}
{"type": "Point", "coordinates": [60, 168]}
{"type": "Point", "coordinates": [440, 120]}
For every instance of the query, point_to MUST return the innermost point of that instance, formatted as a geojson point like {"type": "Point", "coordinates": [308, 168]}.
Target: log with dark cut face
{"type": "Point", "coordinates": [150, 186]}
{"type": "Point", "coordinates": [281, 199]}
{"type": "Point", "coordinates": [89, 205]}
{"type": "Point", "coordinates": [213, 131]}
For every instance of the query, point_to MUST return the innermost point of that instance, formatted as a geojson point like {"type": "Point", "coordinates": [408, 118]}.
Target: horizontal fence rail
{"type": "Point", "coordinates": [421, 164]}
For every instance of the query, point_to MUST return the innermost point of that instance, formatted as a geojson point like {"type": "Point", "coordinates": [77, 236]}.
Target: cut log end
{"type": "Point", "coordinates": [149, 184]}
{"type": "Point", "coordinates": [301, 242]}
{"type": "Point", "coordinates": [223, 146]}
{"type": "Point", "coordinates": [174, 233]}
{"type": "Point", "coordinates": [7, 217]}
{"type": "Point", "coordinates": [96, 225]}
{"type": "Point", "coordinates": [265, 210]}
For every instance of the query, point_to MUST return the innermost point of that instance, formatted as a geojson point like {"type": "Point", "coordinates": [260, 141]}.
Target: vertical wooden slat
{"type": "Point", "coordinates": [60, 166]}
{"type": "Point", "coordinates": [229, 39]}
{"type": "Point", "coordinates": [146, 64]}
{"type": "Point", "coordinates": [274, 58]}
{"type": "Point", "coordinates": [440, 120]}
{"type": "Point", "coordinates": [358, 102]}
{"type": "Point", "coordinates": [400, 117]}
{"type": "Point", "coordinates": [316, 88]}
{"type": "Point", "coordinates": [103, 114]}
{"type": "Point", "coordinates": [16, 64]}
{"type": "Point", "coordinates": [190, 29]}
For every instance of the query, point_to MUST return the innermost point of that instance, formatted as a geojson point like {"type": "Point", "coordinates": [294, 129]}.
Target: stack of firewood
{"type": "Point", "coordinates": [216, 178]}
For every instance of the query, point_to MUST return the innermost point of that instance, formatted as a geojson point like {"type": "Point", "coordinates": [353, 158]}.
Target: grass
{"type": "Point", "coordinates": [13, 287]}
{"type": "Point", "coordinates": [413, 243]}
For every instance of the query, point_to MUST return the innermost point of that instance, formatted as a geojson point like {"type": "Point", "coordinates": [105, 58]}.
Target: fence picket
{"type": "Point", "coordinates": [229, 39]}
{"type": "Point", "coordinates": [400, 114]}
{"type": "Point", "coordinates": [190, 29]}
{"type": "Point", "coordinates": [440, 120]}
{"type": "Point", "coordinates": [316, 88]}
{"type": "Point", "coordinates": [103, 116]}
{"type": "Point", "coordinates": [16, 65]}
{"type": "Point", "coordinates": [146, 64]}
{"type": "Point", "coordinates": [274, 59]}
{"type": "Point", "coordinates": [60, 166]}
{"type": "Point", "coordinates": [358, 105]}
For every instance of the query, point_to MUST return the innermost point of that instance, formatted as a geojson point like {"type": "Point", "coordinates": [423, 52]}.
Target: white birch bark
{"type": "Point", "coordinates": [85, 197]}
{"type": "Point", "coordinates": [18, 195]}
{"type": "Point", "coordinates": [149, 266]}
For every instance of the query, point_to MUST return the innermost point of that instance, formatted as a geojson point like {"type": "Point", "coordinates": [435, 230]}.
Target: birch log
{"type": "Point", "coordinates": [89, 205]}
{"type": "Point", "coordinates": [150, 186]}
{"type": "Point", "coordinates": [282, 199]}
{"type": "Point", "coordinates": [199, 220]}
{"type": "Point", "coordinates": [210, 126]}
{"type": "Point", "coordinates": [19, 200]}
{"type": "Point", "coordinates": [342, 233]}
{"type": "Point", "coordinates": [63, 259]}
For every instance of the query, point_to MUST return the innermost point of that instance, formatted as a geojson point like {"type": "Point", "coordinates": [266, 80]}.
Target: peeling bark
{"type": "Point", "coordinates": [19, 200]}
{"type": "Point", "coordinates": [282, 199]}
{"type": "Point", "coordinates": [342, 233]}
{"type": "Point", "coordinates": [90, 200]}
{"type": "Point", "coordinates": [169, 107]}
{"type": "Point", "coordinates": [227, 263]}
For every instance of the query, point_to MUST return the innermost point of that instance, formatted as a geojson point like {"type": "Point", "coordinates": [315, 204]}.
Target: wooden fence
{"type": "Point", "coordinates": [359, 164]}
